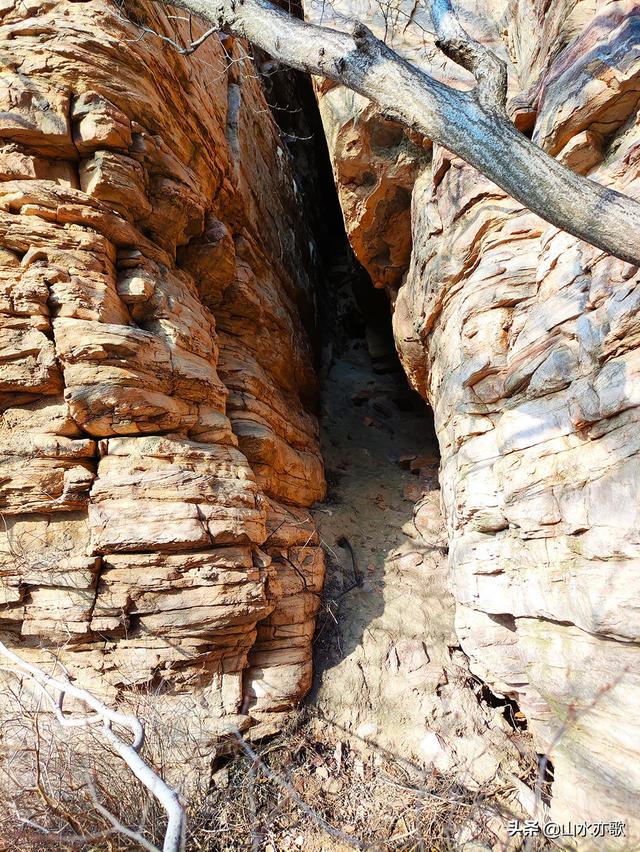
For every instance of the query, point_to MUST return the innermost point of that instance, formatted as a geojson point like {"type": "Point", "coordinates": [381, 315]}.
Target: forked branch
{"type": "Point", "coordinates": [454, 41]}
{"type": "Point", "coordinates": [472, 124]}
{"type": "Point", "coordinates": [54, 690]}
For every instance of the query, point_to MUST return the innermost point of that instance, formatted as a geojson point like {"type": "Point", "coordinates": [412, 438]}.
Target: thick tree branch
{"type": "Point", "coordinates": [471, 124]}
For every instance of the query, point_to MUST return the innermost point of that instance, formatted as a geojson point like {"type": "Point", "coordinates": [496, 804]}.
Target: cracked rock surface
{"type": "Point", "coordinates": [158, 446]}
{"type": "Point", "coordinates": [525, 342]}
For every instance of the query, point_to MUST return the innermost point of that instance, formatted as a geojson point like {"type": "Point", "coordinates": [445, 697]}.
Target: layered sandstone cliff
{"type": "Point", "coordinates": [158, 445]}
{"type": "Point", "coordinates": [524, 340]}
{"type": "Point", "coordinates": [159, 452]}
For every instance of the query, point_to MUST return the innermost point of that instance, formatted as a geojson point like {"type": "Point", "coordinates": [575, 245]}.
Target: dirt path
{"type": "Point", "coordinates": [388, 666]}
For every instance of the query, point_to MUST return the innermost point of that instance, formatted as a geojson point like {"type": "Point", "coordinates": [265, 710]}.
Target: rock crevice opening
{"type": "Point", "coordinates": [164, 257]}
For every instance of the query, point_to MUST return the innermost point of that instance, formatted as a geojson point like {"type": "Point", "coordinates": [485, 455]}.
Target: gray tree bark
{"type": "Point", "coordinates": [472, 124]}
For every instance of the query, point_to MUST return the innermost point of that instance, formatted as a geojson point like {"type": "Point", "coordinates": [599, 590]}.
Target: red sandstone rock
{"type": "Point", "coordinates": [154, 399]}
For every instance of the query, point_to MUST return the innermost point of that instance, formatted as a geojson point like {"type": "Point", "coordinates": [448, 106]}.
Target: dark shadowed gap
{"type": "Point", "coordinates": [349, 307]}
{"type": "Point", "coordinates": [355, 350]}
{"type": "Point", "coordinates": [381, 465]}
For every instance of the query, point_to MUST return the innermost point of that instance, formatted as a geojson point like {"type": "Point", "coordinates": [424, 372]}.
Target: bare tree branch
{"type": "Point", "coordinates": [182, 50]}
{"type": "Point", "coordinates": [175, 835]}
{"type": "Point", "coordinates": [453, 40]}
{"type": "Point", "coordinates": [117, 826]}
{"type": "Point", "coordinates": [472, 124]}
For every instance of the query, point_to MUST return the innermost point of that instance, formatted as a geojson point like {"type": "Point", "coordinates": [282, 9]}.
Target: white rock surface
{"type": "Point", "coordinates": [525, 341]}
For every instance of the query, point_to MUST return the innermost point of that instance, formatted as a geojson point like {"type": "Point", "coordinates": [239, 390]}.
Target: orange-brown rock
{"type": "Point", "coordinates": [157, 445]}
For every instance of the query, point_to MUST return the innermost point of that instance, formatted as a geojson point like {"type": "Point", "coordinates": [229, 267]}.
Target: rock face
{"type": "Point", "coordinates": [158, 450]}
{"type": "Point", "coordinates": [525, 341]}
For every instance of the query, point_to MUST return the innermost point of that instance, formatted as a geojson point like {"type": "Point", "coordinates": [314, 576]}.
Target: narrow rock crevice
{"type": "Point", "coordinates": [388, 667]}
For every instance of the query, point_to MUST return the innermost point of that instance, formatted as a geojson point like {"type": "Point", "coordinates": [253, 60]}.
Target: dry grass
{"type": "Point", "coordinates": [305, 788]}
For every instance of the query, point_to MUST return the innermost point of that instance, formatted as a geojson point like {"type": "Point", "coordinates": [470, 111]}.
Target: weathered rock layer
{"type": "Point", "coordinates": [525, 341]}
{"type": "Point", "coordinates": [158, 450]}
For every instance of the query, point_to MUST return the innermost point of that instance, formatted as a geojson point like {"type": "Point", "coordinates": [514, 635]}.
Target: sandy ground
{"type": "Point", "coordinates": [389, 670]}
